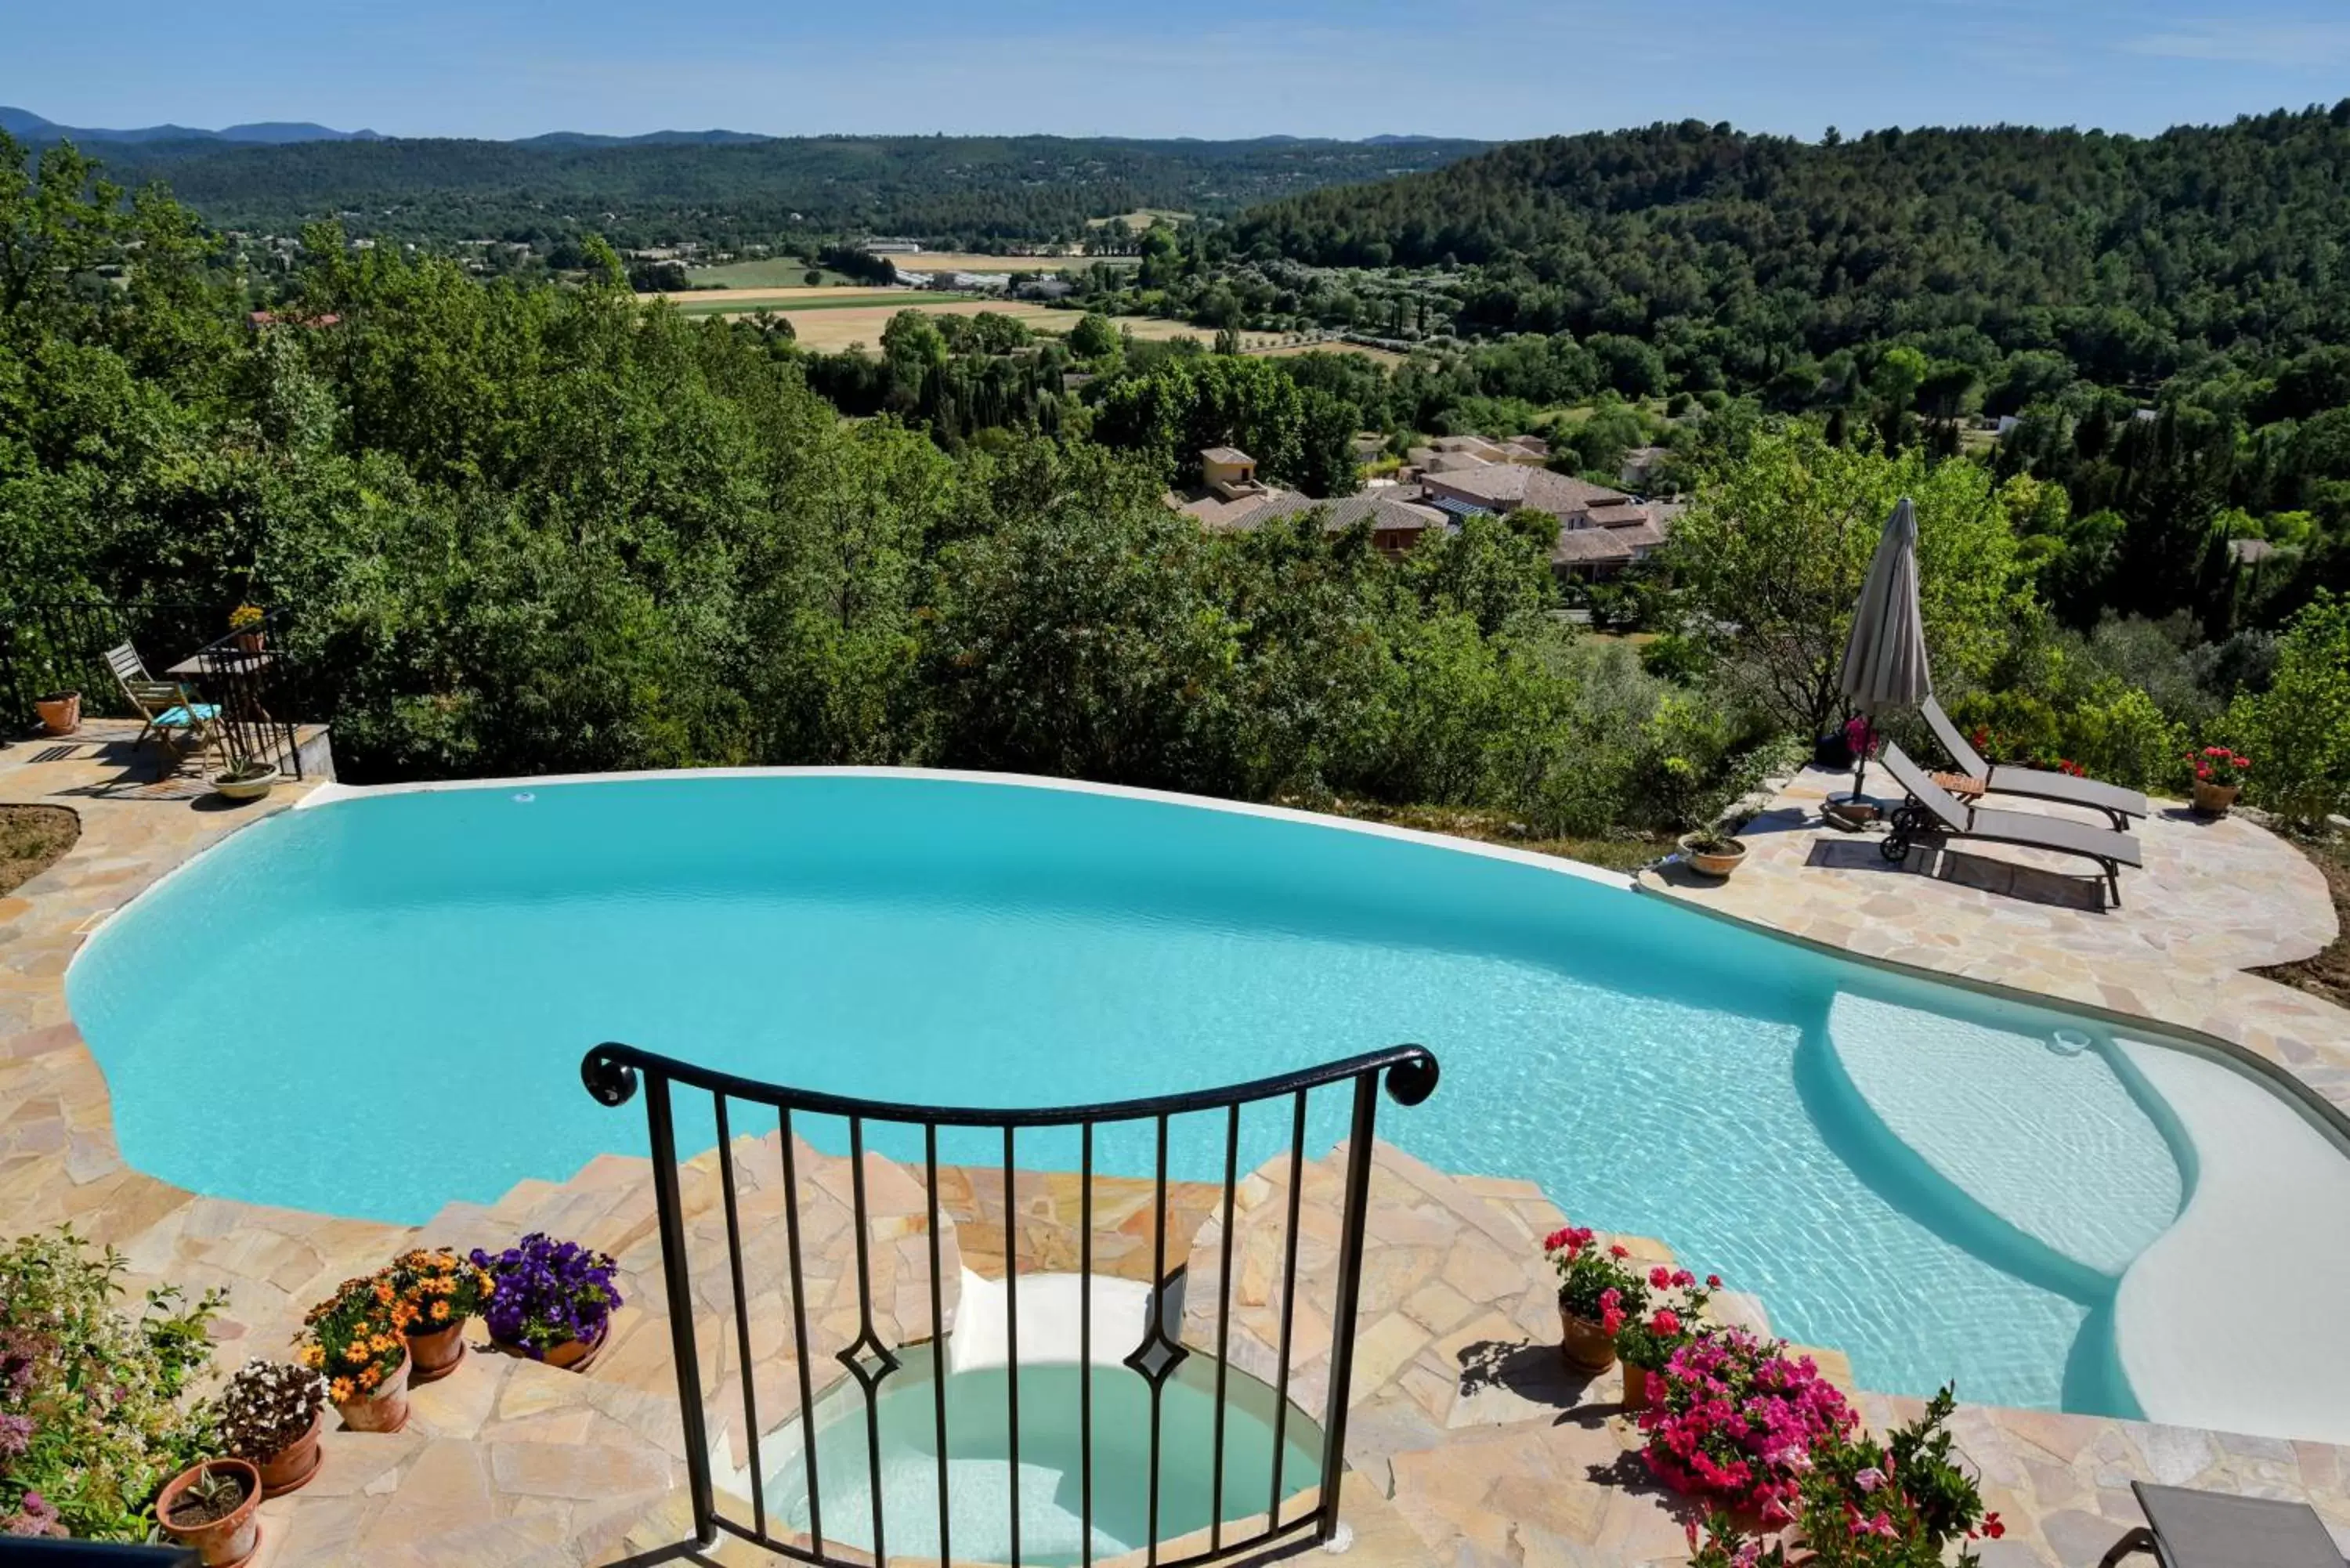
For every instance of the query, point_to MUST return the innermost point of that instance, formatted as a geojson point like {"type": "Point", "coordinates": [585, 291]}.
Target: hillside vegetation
{"type": "Point", "coordinates": [2131, 256]}
{"type": "Point", "coordinates": [965, 189]}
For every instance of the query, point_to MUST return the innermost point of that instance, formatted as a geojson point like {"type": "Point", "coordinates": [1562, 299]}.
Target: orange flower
{"type": "Point", "coordinates": [383, 1290]}
{"type": "Point", "coordinates": [340, 1390]}
{"type": "Point", "coordinates": [355, 1352]}
{"type": "Point", "coordinates": [369, 1377]}
{"type": "Point", "coordinates": [440, 1312]}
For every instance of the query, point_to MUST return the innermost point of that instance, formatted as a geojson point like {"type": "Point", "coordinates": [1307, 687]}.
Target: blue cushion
{"type": "Point", "coordinates": [176, 717]}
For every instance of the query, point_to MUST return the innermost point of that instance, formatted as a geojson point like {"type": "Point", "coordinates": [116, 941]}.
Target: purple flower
{"type": "Point", "coordinates": [548, 1291]}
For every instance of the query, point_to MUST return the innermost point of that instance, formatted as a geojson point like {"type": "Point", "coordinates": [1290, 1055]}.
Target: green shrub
{"type": "Point", "coordinates": [92, 1422]}
{"type": "Point", "coordinates": [2297, 732]}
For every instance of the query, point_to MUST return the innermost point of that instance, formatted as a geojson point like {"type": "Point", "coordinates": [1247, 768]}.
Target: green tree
{"type": "Point", "coordinates": [1772, 554]}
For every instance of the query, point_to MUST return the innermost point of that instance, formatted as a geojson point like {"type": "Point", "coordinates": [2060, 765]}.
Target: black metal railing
{"type": "Point", "coordinates": [242, 677]}
{"type": "Point", "coordinates": [613, 1073]}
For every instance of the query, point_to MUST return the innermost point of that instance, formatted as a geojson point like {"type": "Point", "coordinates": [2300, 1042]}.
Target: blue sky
{"type": "Point", "coordinates": [1494, 68]}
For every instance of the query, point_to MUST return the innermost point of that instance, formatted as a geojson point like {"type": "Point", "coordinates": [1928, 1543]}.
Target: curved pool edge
{"type": "Point", "coordinates": [2333, 1116]}
{"type": "Point", "coordinates": [335, 793]}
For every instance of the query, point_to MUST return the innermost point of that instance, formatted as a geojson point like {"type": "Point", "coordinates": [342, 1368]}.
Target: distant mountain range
{"type": "Point", "coordinates": [25, 126]}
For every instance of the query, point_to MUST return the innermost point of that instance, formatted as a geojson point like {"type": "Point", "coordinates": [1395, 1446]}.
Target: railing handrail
{"type": "Point", "coordinates": [609, 1072]}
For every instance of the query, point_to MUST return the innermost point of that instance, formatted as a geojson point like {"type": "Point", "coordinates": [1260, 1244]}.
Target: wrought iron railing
{"type": "Point", "coordinates": [244, 677]}
{"type": "Point", "coordinates": [613, 1075]}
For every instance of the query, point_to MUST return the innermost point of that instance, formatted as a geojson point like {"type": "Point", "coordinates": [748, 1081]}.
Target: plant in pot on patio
{"type": "Point", "coordinates": [2219, 775]}
{"type": "Point", "coordinates": [1713, 852]}
{"type": "Point", "coordinates": [60, 712]}
{"type": "Point", "coordinates": [1598, 1292]}
{"type": "Point", "coordinates": [246, 776]}
{"type": "Point", "coordinates": [249, 623]}
{"type": "Point", "coordinates": [271, 1413]}
{"type": "Point", "coordinates": [1677, 1306]}
{"type": "Point", "coordinates": [1738, 1420]}
{"type": "Point", "coordinates": [358, 1339]}
{"type": "Point", "coordinates": [442, 1290]}
{"type": "Point", "coordinates": [552, 1300]}
{"type": "Point", "coordinates": [1865, 1503]}
{"type": "Point", "coordinates": [209, 1507]}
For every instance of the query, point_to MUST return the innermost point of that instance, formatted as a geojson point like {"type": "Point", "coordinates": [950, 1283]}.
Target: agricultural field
{"type": "Point", "coordinates": [830, 331]}
{"type": "Point", "coordinates": [1386, 358]}
{"type": "Point", "coordinates": [776, 298]}
{"type": "Point", "coordinates": [1140, 219]}
{"type": "Point", "coordinates": [774, 272]}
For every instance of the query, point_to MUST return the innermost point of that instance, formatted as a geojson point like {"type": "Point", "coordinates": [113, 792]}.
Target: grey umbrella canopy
{"type": "Point", "coordinates": [1885, 659]}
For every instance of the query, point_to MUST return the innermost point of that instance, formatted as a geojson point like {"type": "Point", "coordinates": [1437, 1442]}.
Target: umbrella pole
{"type": "Point", "coordinates": [1860, 760]}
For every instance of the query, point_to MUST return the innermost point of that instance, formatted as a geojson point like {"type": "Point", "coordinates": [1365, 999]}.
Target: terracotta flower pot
{"type": "Point", "coordinates": [432, 1356]}
{"type": "Point", "coordinates": [291, 1467]}
{"type": "Point", "coordinates": [1712, 863]}
{"type": "Point", "coordinates": [1584, 1346]}
{"type": "Point", "coordinates": [251, 641]}
{"type": "Point", "coordinates": [60, 714]}
{"type": "Point", "coordinates": [1640, 1387]}
{"type": "Point", "coordinates": [223, 1542]}
{"type": "Point", "coordinates": [2213, 800]}
{"type": "Point", "coordinates": [571, 1356]}
{"type": "Point", "coordinates": [383, 1411]}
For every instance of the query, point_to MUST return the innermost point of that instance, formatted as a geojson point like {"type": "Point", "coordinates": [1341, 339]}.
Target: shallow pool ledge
{"type": "Point", "coordinates": [2232, 1319]}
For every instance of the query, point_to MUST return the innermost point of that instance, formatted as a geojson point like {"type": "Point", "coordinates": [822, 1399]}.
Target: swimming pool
{"type": "Point", "coordinates": [382, 1001]}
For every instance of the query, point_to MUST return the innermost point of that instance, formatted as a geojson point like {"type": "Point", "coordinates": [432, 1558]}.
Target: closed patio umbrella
{"type": "Point", "coordinates": [1885, 659]}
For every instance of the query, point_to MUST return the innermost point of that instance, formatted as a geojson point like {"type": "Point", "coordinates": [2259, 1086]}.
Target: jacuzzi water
{"type": "Point", "coordinates": [1051, 1478]}
{"type": "Point", "coordinates": [380, 1003]}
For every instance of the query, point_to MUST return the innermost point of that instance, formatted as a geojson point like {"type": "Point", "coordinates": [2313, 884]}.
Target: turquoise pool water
{"type": "Point", "coordinates": [381, 1004]}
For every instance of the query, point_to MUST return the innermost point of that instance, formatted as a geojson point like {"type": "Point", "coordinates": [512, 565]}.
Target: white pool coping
{"type": "Point", "coordinates": [2232, 1320]}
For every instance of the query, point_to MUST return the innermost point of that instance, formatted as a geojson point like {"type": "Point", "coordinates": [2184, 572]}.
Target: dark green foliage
{"type": "Point", "coordinates": [965, 190]}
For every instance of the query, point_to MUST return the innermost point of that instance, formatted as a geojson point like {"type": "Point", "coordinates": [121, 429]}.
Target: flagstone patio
{"type": "Point", "coordinates": [1468, 1446]}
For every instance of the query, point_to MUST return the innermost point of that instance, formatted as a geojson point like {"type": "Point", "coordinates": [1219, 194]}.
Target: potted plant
{"type": "Point", "coordinates": [209, 1507]}
{"type": "Point", "coordinates": [442, 1290]}
{"type": "Point", "coordinates": [2219, 775]}
{"type": "Point", "coordinates": [1738, 1420]}
{"type": "Point", "coordinates": [356, 1339]}
{"type": "Point", "coordinates": [271, 1414]}
{"type": "Point", "coordinates": [1897, 1504]}
{"type": "Point", "coordinates": [1598, 1292]}
{"type": "Point", "coordinates": [245, 778]}
{"type": "Point", "coordinates": [552, 1300]}
{"type": "Point", "coordinates": [249, 623]}
{"type": "Point", "coordinates": [1645, 1343]}
{"type": "Point", "coordinates": [60, 712]}
{"type": "Point", "coordinates": [1714, 852]}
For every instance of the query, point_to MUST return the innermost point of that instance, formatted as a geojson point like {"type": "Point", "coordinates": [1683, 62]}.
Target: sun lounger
{"type": "Point", "coordinates": [1932, 812]}
{"type": "Point", "coordinates": [2033, 784]}
{"type": "Point", "coordinates": [2189, 1528]}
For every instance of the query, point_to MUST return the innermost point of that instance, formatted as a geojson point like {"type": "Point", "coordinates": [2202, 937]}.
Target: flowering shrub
{"type": "Point", "coordinates": [267, 1405]}
{"type": "Point", "coordinates": [442, 1288]}
{"type": "Point", "coordinates": [1596, 1283]}
{"type": "Point", "coordinates": [548, 1291]}
{"type": "Point", "coordinates": [1739, 1421]}
{"type": "Point", "coordinates": [91, 1424]}
{"type": "Point", "coordinates": [1862, 737]}
{"type": "Point", "coordinates": [1677, 1303]}
{"type": "Point", "coordinates": [1866, 1504]}
{"type": "Point", "coordinates": [357, 1336]}
{"type": "Point", "coordinates": [2221, 768]}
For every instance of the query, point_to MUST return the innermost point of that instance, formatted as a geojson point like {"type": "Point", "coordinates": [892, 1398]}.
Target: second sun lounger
{"type": "Point", "coordinates": [1933, 810]}
{"type": "Point", "coordinates": [2031, 784]}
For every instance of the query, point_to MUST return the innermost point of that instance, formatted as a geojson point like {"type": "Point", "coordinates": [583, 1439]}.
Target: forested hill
{"type": "Point", "coordinates": [932, 187]}
{"type": "Point", "coordinates": [2207, 234]}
